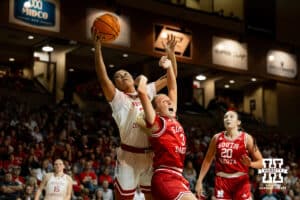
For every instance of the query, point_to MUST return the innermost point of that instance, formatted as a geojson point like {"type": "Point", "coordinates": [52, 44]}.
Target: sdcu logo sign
{"type": "Point", "coordinates": [272, 170]}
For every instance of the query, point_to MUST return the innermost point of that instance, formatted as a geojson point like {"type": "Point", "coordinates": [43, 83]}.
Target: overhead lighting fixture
{"type": "Point", "coordinates": [92, 49]}
{"type": "Point", "coordinates": [231, 81]}
{"type": "Point", "coordinates": [111, 65]}
{"type": "Point", "coordinates": [71, 69]}
{"type": "Point", "coordinates": [47, 48]}
{"type": "Point", "coordinates": [253, 79]}
{"type": "Point", "coordinates": [226, 86]}
{"type": "Point", "coordinates": [11, 59]}
{"type": "Point", "coordinates": [164, 35]}
{"type": "Point", "coordinates": [271, 58]}
{"type": "Point", "coordinates": [200, 77]}
{"type": "Point", "coordinates": [220, 47]}
{"type": "Point", "coordinates": [30, 37]}
{"type": "Point", "coordinates": [125, 55]}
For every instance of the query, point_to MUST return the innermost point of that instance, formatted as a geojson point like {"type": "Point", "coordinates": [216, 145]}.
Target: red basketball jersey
{"type": "Point", "coordinates": [229, 153]}
{"type": "Point", "coordinates": [168, 143]}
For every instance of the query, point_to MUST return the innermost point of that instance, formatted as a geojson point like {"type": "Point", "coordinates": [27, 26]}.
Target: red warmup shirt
{"type": "Point", "coordinates": [168, 143]}
{"type": "Point", "coordinates": [229, 154]}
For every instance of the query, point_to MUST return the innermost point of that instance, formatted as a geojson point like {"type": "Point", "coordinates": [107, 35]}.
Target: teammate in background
{"type": "Point", "coordinates": [231, 149]}
{"type": "Point", "coordinates": [57, 185]}
{"type": "Point", "coordinates": [167, 138]}
{"type": "Point", "coordinates": [134, 166]}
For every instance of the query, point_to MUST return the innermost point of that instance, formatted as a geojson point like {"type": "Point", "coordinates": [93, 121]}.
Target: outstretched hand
{"type": "Point", "coordinates": [95, 37]}
{"type": "Point", "coordinates": [141, 82]}
{"type": "Point", "coordinates": [170, 43]}
{"type": "Point", "coordinates": [164, 62]}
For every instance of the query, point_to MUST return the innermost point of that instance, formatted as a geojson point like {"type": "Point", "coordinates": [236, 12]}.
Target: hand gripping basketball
{"type": "Point", "coordinates": [106, 28]}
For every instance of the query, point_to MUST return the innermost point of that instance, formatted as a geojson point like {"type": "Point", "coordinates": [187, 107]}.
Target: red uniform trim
{"type": "Point", "coordinates": [124, 194]}
{"type": "Point", "coordinates": [133, 149]}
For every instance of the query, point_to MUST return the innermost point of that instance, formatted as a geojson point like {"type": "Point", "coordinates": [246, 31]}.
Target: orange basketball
{"type": "Point", "coordinates": [106, 27]}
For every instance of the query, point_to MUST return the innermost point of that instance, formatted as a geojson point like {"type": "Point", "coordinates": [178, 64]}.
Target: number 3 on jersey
{"type": "Point", "coordinates": [56, 188]}
{"type": "Point", "coordinates": [226, 153]}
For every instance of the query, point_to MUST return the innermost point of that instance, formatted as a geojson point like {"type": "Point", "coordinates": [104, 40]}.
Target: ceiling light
{"type": "Point", "coordinates": [253, 79]}
{"type": "Point", "coordinates": [226, 86]}
{"type": "Point", "coordinates": [271, 58]}
{"type": "Point", "coordinates": [220, 47]}
{"type": "Point", "coordinates": [71, 70]}
{"type": "Point", "coordinates": [164, 35]}
{"type": "Point", "coordinates": [111, 65]}
{"type": "Point", "coordinates": [231, 81]}
{"type": "Point", "coordinates": [47, 48]}
{"type": "Point", "coordinates": [125, 55]}
{"type": "Point", "coordinates": [92, 49]}
{"type": "Point", "coordinates": [200, 77]}
{"type": "Point", "coordinates": [30, 37]}
{"type": "Point", "coordinates": [11, 59]}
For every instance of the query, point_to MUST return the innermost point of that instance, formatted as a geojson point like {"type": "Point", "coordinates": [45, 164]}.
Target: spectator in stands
{"type": "Point", "coordinates": [16, 171]}
{"type": "Point", "coordinates": [107, 192]}
{"type": "Point", "coordinates": [269, 195]}
{"type": "Point", "coordinates": [28, 193]}
{"type": "Point", "coordinates": [109, 163]}
{"type": "Point", "coordinates": [88, 177]}
{"type": "Point", "coordinates": [105, 176]}
{"type": "Point", "coordinates": [190, 174]}
{"type": "Point", "coordinates": [9, 189]}
{"type": "Point", "coordinates": [98, 194]}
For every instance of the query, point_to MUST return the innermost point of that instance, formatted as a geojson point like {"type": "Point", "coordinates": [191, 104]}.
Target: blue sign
{"type": "Point", "coordinates": [35, 12]}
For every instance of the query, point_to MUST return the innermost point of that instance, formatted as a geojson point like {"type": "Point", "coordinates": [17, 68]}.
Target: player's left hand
{"type": "Point", "coordinates": [164, 62]}
{"type": "Point", "coordinates": [246, 160]}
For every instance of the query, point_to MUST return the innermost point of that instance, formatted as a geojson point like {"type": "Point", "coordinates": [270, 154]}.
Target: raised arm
{"type": "Point", "coordinates": [171, 80]}
{"type": "Point", "coordinates": [106, 84]}
{"type": "Point", "coordinates": [169, 45]}
{"type": "Point", "coordinates": [210, 154]}
{"type": "Point", "coordinates": [146, 103]}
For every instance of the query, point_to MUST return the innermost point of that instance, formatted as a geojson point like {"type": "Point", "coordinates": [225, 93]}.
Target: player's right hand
{"type": "Point", "coordinates": [95, 37]}
{"type": "Point", "coordinates": [141, 82]}
{"type": "Point", "coordinates": [170, 43]}
{"type": "Point", "coordinates": [198, 189]}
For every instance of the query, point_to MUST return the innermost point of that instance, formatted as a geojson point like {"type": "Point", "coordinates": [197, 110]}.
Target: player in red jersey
{"type": "Point", "coordinates": [167, 139]}
{"type": "Point", "coordinates": [232, 150]}
{"type": "Point", "coordinates": [134, 157]}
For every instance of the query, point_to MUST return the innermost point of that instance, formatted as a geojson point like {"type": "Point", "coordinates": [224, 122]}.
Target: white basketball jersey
{"type": "Point", "coordinates": [126, 111]}
{"type": "Point", "coordinates": [56, 187]}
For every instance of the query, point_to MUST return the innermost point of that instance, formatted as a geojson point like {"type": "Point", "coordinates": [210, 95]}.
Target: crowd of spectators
{"type": "Point", "coordinates": [31, 138]}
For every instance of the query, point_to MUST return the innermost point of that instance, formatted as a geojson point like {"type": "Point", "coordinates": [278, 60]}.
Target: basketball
{"type": "Point", "coordinates": [106, 27]}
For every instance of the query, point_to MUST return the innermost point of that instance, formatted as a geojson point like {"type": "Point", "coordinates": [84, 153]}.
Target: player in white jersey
{"type": "Point", "coordinates": [57, 185]}
{"type": "Point", "coordinates": [134, 166]}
